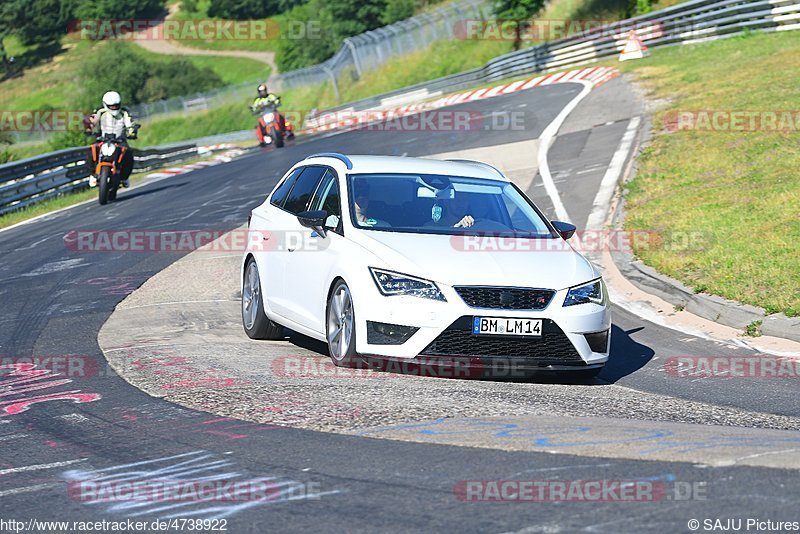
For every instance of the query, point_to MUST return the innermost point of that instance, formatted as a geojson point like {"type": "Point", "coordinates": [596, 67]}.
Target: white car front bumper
{"type": "Point", "coordinates": [563, 342]}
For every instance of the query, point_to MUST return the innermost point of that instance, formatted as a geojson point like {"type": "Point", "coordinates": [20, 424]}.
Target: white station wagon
{"type": "Point", "coordinates": [416, 260]}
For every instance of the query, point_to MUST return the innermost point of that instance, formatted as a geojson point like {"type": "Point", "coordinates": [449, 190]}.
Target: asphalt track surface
{"type": "Point", "coordinates": [54, 302]}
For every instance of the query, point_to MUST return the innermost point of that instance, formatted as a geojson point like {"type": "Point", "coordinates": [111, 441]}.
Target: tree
{"type": "Point", "coordinates": [243, 9]}
{"type": "Point", "coordinates": [45, 21]}
{"type": "Point", "coordinates": [396, 10]}
{"type": "Point", "coordinates": [309, 40]}
{"type": "Point", "coordinates": [34, 21]}
{"type": "Point", "coordinates": [351, 17]}
{"type": "Point", "coordinates": [116, 9]}
{"type": "Point", "coordinates": [518, 12]}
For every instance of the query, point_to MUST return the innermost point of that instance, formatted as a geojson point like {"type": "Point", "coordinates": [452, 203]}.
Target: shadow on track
{"type": "Point", "coordinates": [627, 356]}
{"type": "Point", "coordinates": [143, 192]}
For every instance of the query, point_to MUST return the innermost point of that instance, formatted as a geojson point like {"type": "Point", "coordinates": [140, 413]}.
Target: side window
{"type": "Point", "coordinates": [304, 187]}
{"type": "Point", "coordinates": [327, 198]}
{"type": "Point", "coordinates": [279, 196]}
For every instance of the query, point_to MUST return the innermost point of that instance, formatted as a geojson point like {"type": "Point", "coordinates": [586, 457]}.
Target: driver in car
{"type": "Point", "coordinates": [453, 212]}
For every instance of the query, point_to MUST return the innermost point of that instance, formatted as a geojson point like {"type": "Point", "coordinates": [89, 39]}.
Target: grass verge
{"type": "Point", "coordinates": [738, 189]}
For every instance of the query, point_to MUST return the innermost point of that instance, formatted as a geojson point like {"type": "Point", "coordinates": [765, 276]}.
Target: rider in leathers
{"type": "Point", "coordinates": [112, 118]}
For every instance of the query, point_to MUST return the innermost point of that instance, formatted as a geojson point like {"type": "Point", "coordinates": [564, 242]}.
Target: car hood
{"type": "Point", "coordinates": [455, 260]}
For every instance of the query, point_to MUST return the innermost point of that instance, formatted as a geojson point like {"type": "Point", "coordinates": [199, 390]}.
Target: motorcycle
{"type": "Point", "coordinates": [272, 127]}
{"type": "Point", "coordinates": [108, 152]}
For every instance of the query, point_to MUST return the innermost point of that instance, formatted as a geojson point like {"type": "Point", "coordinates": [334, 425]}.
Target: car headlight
{"type": "Point", "coordinates": [591, 292]}
{"type": "Point", "coordinates": [390, 283]}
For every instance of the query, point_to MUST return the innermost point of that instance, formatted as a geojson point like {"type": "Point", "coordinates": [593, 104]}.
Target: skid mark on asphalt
{"type": "Point", "coordinates": [110, 487]}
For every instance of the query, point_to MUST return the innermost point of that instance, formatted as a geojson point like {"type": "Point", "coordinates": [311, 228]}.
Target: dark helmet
{"type": "Point", "coordinates": [262, 90]}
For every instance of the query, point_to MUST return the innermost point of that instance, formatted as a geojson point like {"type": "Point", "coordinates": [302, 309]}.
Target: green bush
{"type": "Point", "coordinates": [114, 66]}
{"type": "Point", "coordinates": [6, 140]}
{"type": "Point", "coordinates": [397, 10]}
{"type": "Point", "coordinates": [242, 9]}
{"type": "Point", "coordinates": [67, 139]}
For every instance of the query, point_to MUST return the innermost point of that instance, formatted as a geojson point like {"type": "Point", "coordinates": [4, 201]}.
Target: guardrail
{"type": "Point", "coordinates": [39, 178]}
{"type": "Point", "coordinates": [690, 22]}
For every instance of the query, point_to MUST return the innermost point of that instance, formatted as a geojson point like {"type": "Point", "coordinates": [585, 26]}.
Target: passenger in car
{"type": "Point", "coordinates": [362, 209]}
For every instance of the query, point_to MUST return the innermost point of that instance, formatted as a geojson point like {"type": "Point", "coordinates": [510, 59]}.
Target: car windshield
{"type": "Point", "coordinates": [440, 204]}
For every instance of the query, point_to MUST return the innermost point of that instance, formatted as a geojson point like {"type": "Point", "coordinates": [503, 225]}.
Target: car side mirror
{"type": "Point", "coordinates": [566, 230]}
{"type": "Point", "coordinates": [314, 220]}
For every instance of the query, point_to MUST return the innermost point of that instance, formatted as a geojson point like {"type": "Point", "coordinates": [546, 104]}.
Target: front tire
{"type": "Point", "coordinates": [103, 185]}
{"type": "Point", "coordinates": [340, 321]}
{"type": "Point", "coordinates": [277, 137]}
{"type": "Point", "coordinates": [255, 322]}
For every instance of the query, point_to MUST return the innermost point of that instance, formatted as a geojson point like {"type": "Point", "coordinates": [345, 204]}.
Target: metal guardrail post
{"type": "Point", "coordinates": [333, 80]}
{"type": "Point", "coordinates": [349, 43]}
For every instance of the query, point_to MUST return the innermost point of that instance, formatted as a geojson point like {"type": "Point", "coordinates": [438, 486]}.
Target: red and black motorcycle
{"type": "Point", "coordinates": [272, 127]}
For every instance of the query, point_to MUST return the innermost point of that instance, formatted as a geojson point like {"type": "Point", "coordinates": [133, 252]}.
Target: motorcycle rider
{"type": "Point", "coordinates": [112, 118]}
{"type": "Point", "coordinates": [264, 98]}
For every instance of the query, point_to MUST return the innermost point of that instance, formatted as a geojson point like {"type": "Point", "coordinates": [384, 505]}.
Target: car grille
{"type": "Point", "coordinates": [505, 298]}
{"type": "Point", "coordinates": [551, 348]}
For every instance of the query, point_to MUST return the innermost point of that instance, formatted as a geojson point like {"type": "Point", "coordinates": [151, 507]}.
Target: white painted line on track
{"type": "Point", "coordinates": [602, 201]}
{"type": "Point", "coordinates": [39, 467]}
{"type": "Point", "coordinates": [29, 489]}
{"type": "Point", "coordinates": [546, 139]}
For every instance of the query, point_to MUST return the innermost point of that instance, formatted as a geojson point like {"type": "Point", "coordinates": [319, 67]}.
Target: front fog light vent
{"type": "Point", "coordinates": [388, 334]}
{"type": "Point", "coordinates": [598, 341]}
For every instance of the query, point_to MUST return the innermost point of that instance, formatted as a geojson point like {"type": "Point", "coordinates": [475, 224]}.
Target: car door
{"type": "Point", "coordinates": [286, 235]}
{"type": "Point", "coordinates": [261, 232]}
{"type": "Point", "coordinates": [309, 266]}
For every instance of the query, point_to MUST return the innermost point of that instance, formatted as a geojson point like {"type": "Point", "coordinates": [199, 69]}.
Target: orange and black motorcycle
{"type": "Point", "coordinates": [272, 127]}
{"type": "Point", "coordinates": [108, 153]}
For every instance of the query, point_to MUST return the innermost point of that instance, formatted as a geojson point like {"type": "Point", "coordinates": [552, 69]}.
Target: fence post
{"type": "Point", "coordinates": [333, 80]}
{"type": "Point", "coordinates": [354, 53]}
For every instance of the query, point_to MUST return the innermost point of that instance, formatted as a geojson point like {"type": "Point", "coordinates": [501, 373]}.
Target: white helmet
{"type": "Point", "coordinates": [111, 101]}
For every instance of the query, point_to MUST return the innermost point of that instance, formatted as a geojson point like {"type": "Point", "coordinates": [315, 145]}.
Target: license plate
{"type": "Point", "coordinates": [506, 326]}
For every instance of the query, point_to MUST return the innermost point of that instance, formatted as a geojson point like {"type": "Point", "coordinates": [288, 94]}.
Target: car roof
{"type": "Point", "coordinates": [406, 165]}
